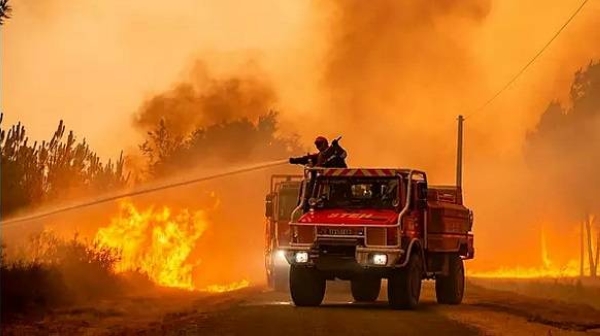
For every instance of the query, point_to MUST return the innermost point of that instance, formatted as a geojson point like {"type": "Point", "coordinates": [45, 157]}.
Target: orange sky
{"type": "Point", "coordinates": [93, 63]}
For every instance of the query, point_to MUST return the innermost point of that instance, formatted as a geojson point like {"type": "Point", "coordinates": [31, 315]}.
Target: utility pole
{"type": "Point", "coordinates": [582, 251]}
{"type": "Point", "coordinates": [459, 152]}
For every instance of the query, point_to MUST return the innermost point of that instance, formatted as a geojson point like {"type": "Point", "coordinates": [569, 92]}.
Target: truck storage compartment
{"type": "Point", "coordinates": [447, 218]}
{"type": "Point", "coordinates": [445, 194]}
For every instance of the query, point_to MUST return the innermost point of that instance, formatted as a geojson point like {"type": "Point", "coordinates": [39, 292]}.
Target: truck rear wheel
{"type": "Point", "coordinates": [307, 286]}
{"type": "Point", "coordinates": [450, 289]}
{"type": "Point", "coordinates": [404, 284]}
{"type": "Point", "coordinates": [365, 289]}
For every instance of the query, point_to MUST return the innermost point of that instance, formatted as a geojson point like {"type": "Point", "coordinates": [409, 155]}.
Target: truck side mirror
{"type": "Point", "coordinates": [269, 206]}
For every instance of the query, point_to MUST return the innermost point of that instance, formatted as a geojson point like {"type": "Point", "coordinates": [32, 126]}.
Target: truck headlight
{"type": "Point", "coordinates": [301, 257]}
{"type": "Point", "coordinates": [379, 259]}
{"type": "Point", "coordinates": [280, 256]}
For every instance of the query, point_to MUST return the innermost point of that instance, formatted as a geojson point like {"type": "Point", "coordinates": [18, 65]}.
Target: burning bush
{"type": "Point", "coordinates": [155, 243]}
{"type": "Point", "coordinates": [162, 244]}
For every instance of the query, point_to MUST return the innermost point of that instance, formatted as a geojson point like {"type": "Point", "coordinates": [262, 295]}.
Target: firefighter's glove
{"type": "Point", "coordinates": [334, 143]}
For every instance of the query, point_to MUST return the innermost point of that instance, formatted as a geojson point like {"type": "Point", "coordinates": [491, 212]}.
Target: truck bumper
{"type": "Point", "coordinates": [364, 257]}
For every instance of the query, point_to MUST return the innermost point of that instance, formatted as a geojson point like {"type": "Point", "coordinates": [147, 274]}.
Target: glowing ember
{"type": "Point", "coordinates": [227, 288]}
{"type": "Point", "coordinates": [155, 243]}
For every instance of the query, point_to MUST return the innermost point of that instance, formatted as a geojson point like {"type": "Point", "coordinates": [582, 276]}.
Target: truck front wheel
{"type": "Point", "coordinates": [307, 286]}
{"type": "Point", "coordinates": [404, 284]}
{"type": "Point", "coordinates": [365, 289]}
{"type": "Point", "coordinates": [450, 289]}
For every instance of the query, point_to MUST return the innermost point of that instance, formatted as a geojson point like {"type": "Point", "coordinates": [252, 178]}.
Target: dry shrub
{"type": "Point", "coordinates": [49, 272]}
{"type": "Point", "coordinates": [30, 286]}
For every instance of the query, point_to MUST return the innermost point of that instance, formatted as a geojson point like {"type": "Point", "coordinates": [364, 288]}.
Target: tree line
{"type": "Point", "coordinates": [228, 142]}
{"type": "Point", "coordinates": [33, 174]}
{"type": "Point", "coordinates": [5, 10]}
{"type": "Point", "coordinates": [58, 169]}
{"type": "Point", "coordinates": [564, 154]}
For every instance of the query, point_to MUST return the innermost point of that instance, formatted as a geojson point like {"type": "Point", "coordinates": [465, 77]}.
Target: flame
{"type": "Point", "coordinates": [159, 244]}
{"type": "Point", "coordinates": [549, 269]}
{"type": "Point", "coordinates": [155, 243]}
{"type": "Point", "coordinates": [545, 258]}
{"type": "Point", "coordinates": [227, 288]}
{"type": "Point", "coordinates": [569, 270]}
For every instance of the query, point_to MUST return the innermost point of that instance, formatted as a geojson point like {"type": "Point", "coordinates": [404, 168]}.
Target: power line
{"type": "Point", "coordinates": [518, 74]}
{"type": "Point", "coordinates": [22, 220]}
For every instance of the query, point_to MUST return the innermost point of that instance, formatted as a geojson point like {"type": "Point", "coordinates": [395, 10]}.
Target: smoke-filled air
{"type": "Point", "coordinates": [158, 91]}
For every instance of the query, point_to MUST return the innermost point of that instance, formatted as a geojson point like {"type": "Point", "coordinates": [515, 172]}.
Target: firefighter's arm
{"type": "Point", "coordinates": [341, 152]}
{"type": "Point", "coordinates": [303, 160]}
{"type": "Point", "coordinates": [299, 160]}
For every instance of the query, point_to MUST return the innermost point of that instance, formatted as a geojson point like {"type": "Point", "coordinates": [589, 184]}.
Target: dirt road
{"type": "Point", "coordinates": [482, 314]}
{"type": "Point", "coordinates": [256, 311]}
{"type": "Point", "coordinates": [273, 314]}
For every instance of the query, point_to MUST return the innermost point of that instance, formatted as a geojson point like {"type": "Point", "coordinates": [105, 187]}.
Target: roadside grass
{"type": "Point", "coordinates": [584, 291]}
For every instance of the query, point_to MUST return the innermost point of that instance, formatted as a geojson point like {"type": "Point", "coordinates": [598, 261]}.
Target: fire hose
{"type": "Point", "coordinates": [21, 220]}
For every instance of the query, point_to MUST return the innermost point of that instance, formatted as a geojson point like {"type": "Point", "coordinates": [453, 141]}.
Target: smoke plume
{"type": "Point", "coordinates": [206, 100]}
{"type": "Point", "coordinates": [392, 69]}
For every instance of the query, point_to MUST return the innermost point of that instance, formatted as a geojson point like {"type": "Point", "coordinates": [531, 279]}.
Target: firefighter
{"type": "Point", "coordinates": [333, 156]}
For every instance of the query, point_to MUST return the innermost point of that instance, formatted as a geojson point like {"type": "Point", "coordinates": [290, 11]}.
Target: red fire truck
{"type": "Point", "coordinates": [282, 199]}
{"type": "Point", "coordinates": [365, 225]}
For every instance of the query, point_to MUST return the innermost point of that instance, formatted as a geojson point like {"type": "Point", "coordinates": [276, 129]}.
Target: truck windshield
{"type": "Point", "coordinates": [354, 192]}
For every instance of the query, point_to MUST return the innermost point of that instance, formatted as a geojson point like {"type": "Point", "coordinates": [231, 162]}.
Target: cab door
{"type": "Point", "coordinates": [269, 232]}
{"type": "Point", "coordinates": [420, 206]}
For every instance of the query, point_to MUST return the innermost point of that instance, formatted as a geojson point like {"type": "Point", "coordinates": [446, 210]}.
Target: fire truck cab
{"type": "Point", "coordinates": [365, 225]}
{"type": "Point", "coordinates": [281, 200]}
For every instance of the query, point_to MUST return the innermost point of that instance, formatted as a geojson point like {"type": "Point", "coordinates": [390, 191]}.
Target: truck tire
{"type": "Point", "coordinates": [450, 289]}
{"type": "Point", "coordinates": [404, 284]}
{"type": "Point", "coordinates": [307, 286]}
{"type": "Point", "coordinates": [365, 289]}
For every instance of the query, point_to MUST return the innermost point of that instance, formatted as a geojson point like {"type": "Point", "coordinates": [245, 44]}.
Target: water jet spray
{"type": "Point", "coordinates": [112, 197]}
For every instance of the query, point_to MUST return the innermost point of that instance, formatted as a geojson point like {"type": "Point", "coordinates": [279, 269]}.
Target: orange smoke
{"type": "Point", "coordinates": [159, 244]}
{"type": "Point", "coordinates": [207, 100]}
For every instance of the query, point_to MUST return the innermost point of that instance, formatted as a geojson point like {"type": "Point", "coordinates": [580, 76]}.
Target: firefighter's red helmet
{"type": "Point", "coordinates": [321, 141]}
